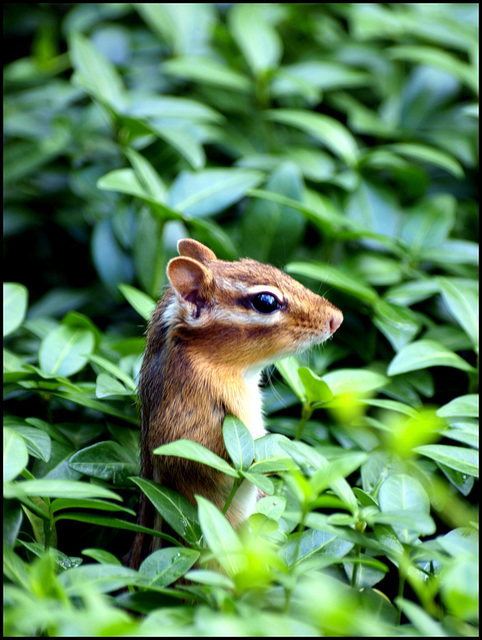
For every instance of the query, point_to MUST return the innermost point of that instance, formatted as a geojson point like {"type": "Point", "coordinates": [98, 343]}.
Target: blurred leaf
{"type": "Point", "coordinates": [335, 277]}
{"type": "Point", "coordinates": [323, 128]}
{"type": "Point", "coordinates": [255, 36]}
{"type": "Point", "coordinates": [467, 405]}
{"type": "Point", "coordinates": [101, 577]}
{"type": "Point", "coordinates": [316, 390]}
{"type": "Point", "coordinates": [141, 302]}
{"type": "Point", "coordinates": [429, 155]}
{"type": "Point", "coordinates": [423, 354]}
{"type": "Point", "coordinates": [57, 489]}
{"type": "Point", "coordinates": [95, 73]}
{"type": "Point", "coordinates": [206, 70]}
{"type": "Point", "coordinates": [355, 381]}
{"type": "Point", "coordinates": [459, 458]}
{"type": "Point", "coordinates": [15, 454]}
{"type": "Point", "coordinates": [210, 191]}
{"type": "Point", "coordinates": [463, 301]}
{"type": "Point", "coordinates": [220, 537]}
{"type": "Point", "coordinates": [15, 298]}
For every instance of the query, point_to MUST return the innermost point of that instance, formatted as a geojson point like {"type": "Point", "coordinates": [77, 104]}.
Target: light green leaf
{"type": "Point", "coordinates": [15, 454]}
{"type": "Point", "coordinates": [210, 191]}
{"type": "Point", "coordinates": [147, 176]}
{"type": "Point", "coordinates": [402, 496]}
{"type": "Point", "coordinates": [255, 36]}
{"type": "Point", "coordinates": [114, 370]}
{"type": "Point", "coordinates": [462, 299]}
{"type": "Point", "coordinates": [65, 350]}
{"type": "Point", "coordinates": [288, 368]}
{"type": "Point", "coordinates": [398, 324]}
{"type": "Point", "coordinates": [459, 458]}
{"type": "Point", "coordinates": [463, 406]}
{"type": "Point", "coordinates": [57, 489]}
{"type": "Point", "coordinates": [423, 354]}
{"type": "Point", "coordinates": [95, 73]}
{"type": "Point", "coordinates": [239, 442]}
{"type": "Point", "coordinates": [107, 386]}
{"type": "Point", "coordinates": [316, 389]}
{"type": "Point", "coordinates": [194, 451]}
{"type": "Point", "coordinates": [437, 57]}
{"type": "Point", "coordinates": [15, 298]}
{"type": "Point", "coordinates": [325, 129]}
{"type": "Point", "coordinates": [207, 71]}
{"type": "Point", "coordinates": [38, 442]}
{"type": "Point", "coordinates": [185, 142]}
{"type": "Point", "coordinates": [220, 537]}
{"type": "Point", "coordinates": [354, 381]}
{"type": "Point", "coordinates": [140, 301]}
{"type": "Point", "coordinates": [329, 275]}
{"type": "Point", "coordinates": [99, 577]}
{"type": "Point", "coordinates": [429, 155]}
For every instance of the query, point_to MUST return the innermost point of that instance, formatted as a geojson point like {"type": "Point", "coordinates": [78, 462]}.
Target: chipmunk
{"type": "Point", "coordinates": [216, 327]}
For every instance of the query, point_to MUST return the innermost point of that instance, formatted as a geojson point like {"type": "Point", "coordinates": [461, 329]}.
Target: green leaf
{"type": "Point", "coordinates": [255, 36]}
{"type": "Point", "coordinates": [15, 454]}
{"type": "Point", "coordinates": [147, 176]}
{"type": "Point", "coordinates": [316, 390]}
{"type": "Point", "coordinates": [65, 351]}
{"type": "Point", "coordinates": [463, 406]}
{"type": "Point", "coordinates": [140, 301]}
{"type": "Point", "coordinates": [114, 370]}
{"type": "Point", "coordinates": [423, 354]}
{"type": "Point", "coordinates": [102, 578]}
{"type": "Point", "coordinates": [107, 386]}
{"type": "Point", "coordinates": [325, 129]}
{"type": "Point", "coordinates": [194, 451]}
{"type": "Point", "coordinates": [15, 298]}
{"type": "Point", "coordinates": [57, 489]}
{"type": "Point", "coordinates": [102, 556]}
{"type": "Point", "coordinates": [421, 620]}
{"type": "Point", "coordinates": [329, 275]}
{"type": "Point", "coordinates": [106, 461]}
{"type": "Point", "coordinates": [462, 299]}
{"type": "Point", "coordinates": [398, 324]}
{"type": "Point", "coordinates": [271, 506]}
{"type": "Point", "coordinates": [288, 368]}
{"type": "Point", "coordinates": [239, 442]}
{"type": "Point", "coordinates": [95, 73]}
{"type": "Point", "coordinates": [458, 458]}
{"type": "Point", "coordinates": [354, 381]}
{"type": "Point", "coordinates": [436, 57]}
{"type": "Point", "coordinates": [429, 155]}
{"type": "Point", "coordinates": [401, 495]}
{"type": "Point", "coordinates": [207, 71]}
{"type": "Point", "coordinates": [38, 442]}
{"type": "Point", "coordinates": [175, 509]}
{"type": "Point", "coordinates": [220, 537]}
{"type": "Point", "coordinates": [259, 480]}
{"type": "Point", "coordinates": [185, 142]}
{"type": "Point", "coordinates": [165, 566]}
{"type": "Point", "coordinates": [88, 503]}
{"type": "Point", "coordinates": [208, 192]}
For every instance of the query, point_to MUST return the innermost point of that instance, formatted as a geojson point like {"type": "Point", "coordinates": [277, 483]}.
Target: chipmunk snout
{"type": "Point", "coordinates": [335, 320]}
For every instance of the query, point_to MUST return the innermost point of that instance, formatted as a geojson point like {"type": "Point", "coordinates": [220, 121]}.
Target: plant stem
{"type": "Point", "coordinates": [305, 416]}
{"type": "Point", "coordinates": [236, 484]}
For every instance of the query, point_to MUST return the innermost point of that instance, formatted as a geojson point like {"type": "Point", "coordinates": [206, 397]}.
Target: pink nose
{"type": "Point", "coordinates": [335, 320]}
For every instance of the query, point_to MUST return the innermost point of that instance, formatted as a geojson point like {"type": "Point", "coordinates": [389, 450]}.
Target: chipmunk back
{"type": "Point", "coordinates": [217, 326]}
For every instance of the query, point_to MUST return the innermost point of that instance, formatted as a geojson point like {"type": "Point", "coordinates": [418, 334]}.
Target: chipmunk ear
{"type": "Point", "coordinates": [194, 249]}
{"type": "Point", "coordinates": [191, 280]}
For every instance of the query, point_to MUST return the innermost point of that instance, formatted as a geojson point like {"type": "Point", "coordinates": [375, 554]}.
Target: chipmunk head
{"type": "Point", "coordinates": [242, 313]}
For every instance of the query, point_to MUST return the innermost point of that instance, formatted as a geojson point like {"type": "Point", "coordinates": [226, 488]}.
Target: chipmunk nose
{"type": "Point", "coordinates": [335, 320]}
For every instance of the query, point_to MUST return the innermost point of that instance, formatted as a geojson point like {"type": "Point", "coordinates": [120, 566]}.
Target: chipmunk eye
{"type": "Point", "coordinates": [265, 303]}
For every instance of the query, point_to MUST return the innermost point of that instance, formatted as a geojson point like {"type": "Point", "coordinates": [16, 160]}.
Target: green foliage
{"type": "Point", "coordinates": [337, 141]}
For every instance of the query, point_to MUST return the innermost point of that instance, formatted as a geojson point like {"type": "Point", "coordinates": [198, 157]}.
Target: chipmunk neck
{"type": "Point", "coordinates": [237, 390]}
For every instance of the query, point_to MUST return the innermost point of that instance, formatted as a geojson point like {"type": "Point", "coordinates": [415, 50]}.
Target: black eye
{"type": "Point", "coordinates": [265, 303]}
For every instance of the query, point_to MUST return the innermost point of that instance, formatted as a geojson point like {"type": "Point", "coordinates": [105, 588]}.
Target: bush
{"type": "Point", "coordinates": [335, 140]}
